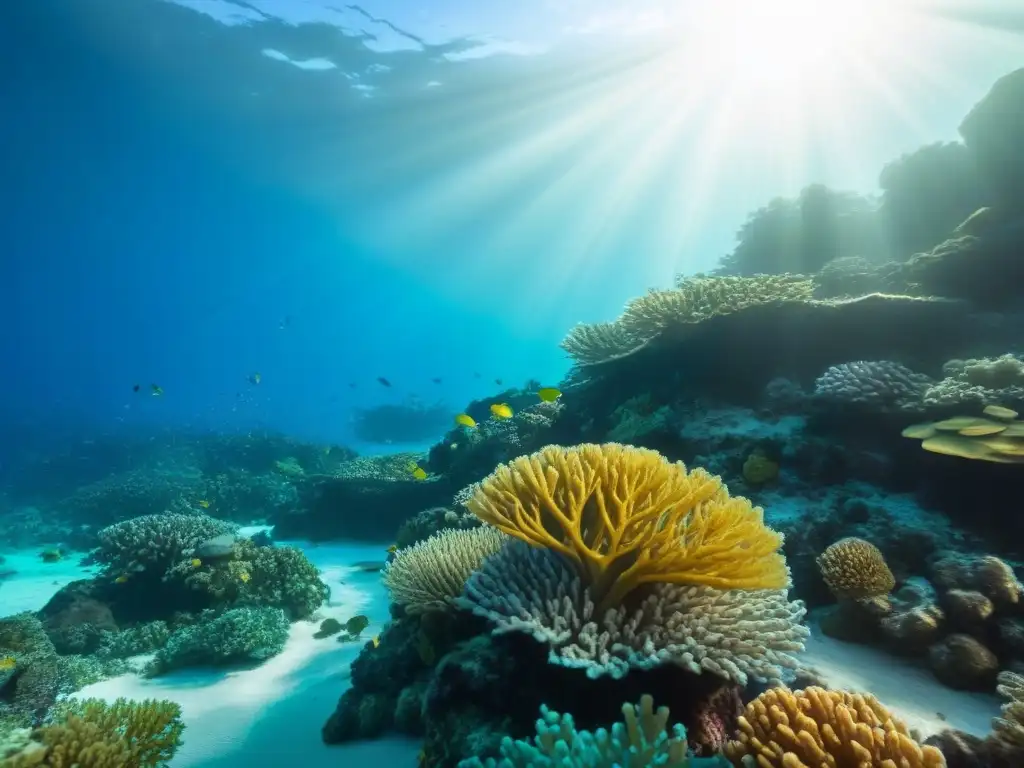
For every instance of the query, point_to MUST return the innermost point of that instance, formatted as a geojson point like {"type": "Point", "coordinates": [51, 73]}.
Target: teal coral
{"type": "Point", "coordinates": [238, 635]}
{"type": "Point", "coordinates": [639, 742]}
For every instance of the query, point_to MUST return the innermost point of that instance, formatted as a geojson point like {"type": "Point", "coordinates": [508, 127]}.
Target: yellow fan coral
{"type": "Point", "coordinates": [815, 727]}
{"type": "Point", "coordinates": [626, 516]}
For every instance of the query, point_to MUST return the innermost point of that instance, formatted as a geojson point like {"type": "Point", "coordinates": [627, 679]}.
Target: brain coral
{"type": "Point", "coordinates": [854, 568]}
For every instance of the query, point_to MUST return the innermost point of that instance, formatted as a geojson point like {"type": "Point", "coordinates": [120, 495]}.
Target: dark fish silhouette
{"type": "Point", "coordinates": [384, 381]}
{"type": "Point", "coordinates": [135, 388]}
{"type": "Point", "coordinates": [436, 381]}
{"type": "Point", "coordinates": [498, 382]}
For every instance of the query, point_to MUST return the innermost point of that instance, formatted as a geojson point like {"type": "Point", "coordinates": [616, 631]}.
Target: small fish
{"type": "Point", "coordinates": [501, 411]}
{"type": "Point", "coordinates": [392, 549]}
{"type": "Point", "coordinates": [940, 716]}
{"type": "Point", "coordinates": [157, 390]}
{"type": "Point", "coordinates": [465, 420]}
{"type": "Point", "coordinates": [244, 577]}
{"type": "Point", "coordinates": [549, 394]}
{"type": "Point", "coordinates": [51, 555]}
{"type": "Point", "coordinates": [203, 503]}
{"type": "Point", "coordinates": [419, 473]}
{"type": "Point", "coordinates": [383, 381]}
{"type": "Point", "coordinates": [255, 378]}
{"type": "Point", "coordinates": [453, 446]}
{"type": "Point", "coordinates": [352, 385]}
{"type": "Point", "coordinates": [136, 388]}
{"type": "Point", "coordinates": [436, 381]}
{"type": "Point", "coordinates": [327, 450]}
{"type": "Point", "coordinates": [498, 382]}
{"type": "Point", "coordinates": [121, 579]}
{"type": "Point", "coordinates": [999, 412]}
{"type": "Point", "coordinates": [376, 641]}
{"type": "Point", "coordinates": [7, 662]}
{"type": "Point", "coordinates": [196, 562]}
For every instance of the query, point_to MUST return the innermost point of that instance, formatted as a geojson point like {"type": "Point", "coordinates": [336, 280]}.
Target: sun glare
{"type": "Point", "coordinates": [782, 44]}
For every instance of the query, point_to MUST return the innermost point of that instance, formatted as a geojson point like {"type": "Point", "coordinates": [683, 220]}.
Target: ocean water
{"type": "Point", "coordinates": [283, 282]}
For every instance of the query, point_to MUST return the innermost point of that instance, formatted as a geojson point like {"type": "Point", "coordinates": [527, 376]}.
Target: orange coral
{"type": "Point", "coordinates": [626, 517]}
{"type": "Point", "coordinates": [815, 727]}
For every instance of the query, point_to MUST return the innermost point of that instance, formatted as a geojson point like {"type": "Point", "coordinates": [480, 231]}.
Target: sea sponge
{"type": "Point", "coordinates": [431, 573]}
{"type": "Point", "coordinates": [91, 733]}
{"type": "Point", "coordinates": [814, 727]}
{"type": "Point", "coordinates": [626, 517]}
{"type": "Point", "coordinates": [854, 568]}
{"type": "Point", "coordinates": [642, 740]}
{"type": "Point", "coordinates": [736, 634]}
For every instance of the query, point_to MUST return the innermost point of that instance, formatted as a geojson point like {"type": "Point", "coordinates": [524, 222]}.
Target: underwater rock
{"type": "Point", "coordinates": [75, 617]}
{"type": "Point", "coordinates": [916, 620]}
{"type": "Point", "coordinates": [992, 131]}
{"type": "Point", "coordinates": [963, 662]}
{"type": "Point", "coordinates": [218, 547]}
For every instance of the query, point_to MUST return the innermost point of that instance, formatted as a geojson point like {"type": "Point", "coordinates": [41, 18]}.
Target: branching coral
{"type": "Point", "coordinates": [736, 634]}
{"type": "Point", "coordinates": [642, 740]}
{"type": "Point", "coordinates": [854, 568]}
{"type": "Point", "coordinates": [815, 727]}
{"type": "Point", "coordinates": [626, 517]}
{"type": "Point", "coordinates": [430, 574]}
{"type": "Point", "coordinates": [94, 734]}
{"type": "Point", "coordinates": [154, 542]}
{"type": "Point", "coordinates": [589, 344]}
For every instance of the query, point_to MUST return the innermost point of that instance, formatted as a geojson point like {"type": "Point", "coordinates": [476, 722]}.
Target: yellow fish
{"type": "Point", "coordinates": [392, 549]}
{"type": "Point", "coordinates": [549, 394]}
{"type": "Point", "coordinates": [204, 503]}
{"type": "Point", "coordinates": [121, 579]}
{"type": "Point", "coordinates": [501, 411]}
{"type": "Point", "coordinates": [8, 662]}
{"type": "Point", "coordinates": [419, 473]}
{"type": "Point", "coordinates": [196, 562]}
{"type": "Point", "coordinates": [465, 420]}
{"type": "Point", "coordinates": [376, 640]}
{"type": "Point", "coordinates": [244, 577]}
{"type": "Point", "coordinates": [255, 378]}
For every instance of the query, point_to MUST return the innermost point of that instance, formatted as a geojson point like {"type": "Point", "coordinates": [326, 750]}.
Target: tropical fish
{"type": "Point", "coordinates": [549, 394]}
{"type": "Point", "coordinates": [357, 624]}
{"type": "Point", "coordinates": [465, 420]}
{"type": "Point", "coordinates": [121, 579]}
{"type": "Point", "coordinates": [501, 411]}
{"type": "Point", "coordinates": [376, 641]}
{"type": "Point", "coordinates": [136, 388]}
{"type": "Point", "coordinates": [255, 378]}
{"type": "Point", "coordinates": [392, 549]}
{"type": "Point", "coordinates": [7, 662]}
{"type": "Point", "coordinates": [157, 390]}
{"type": "Point", "coordinates": [453, 446]}
{"type": "Point", "coordinates": [498, 382]}
{"type": "Point", "coordinates": [436, 380]}
{"type": "Point", "coordinates": [244, 577]}
{"type": "Point", "coordinates": [203, 503]}
{"type": "Point", "coordinates": [196, 562]}
{"type": "Point", "coordinates": [384, 381]}
{"type": "Point", "coordinates": [419, 473]}
{"type": "Point", "coordinates": [51, 555]}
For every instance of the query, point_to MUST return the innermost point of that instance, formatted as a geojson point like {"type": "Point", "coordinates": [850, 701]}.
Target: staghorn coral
{"type": "Point", "coordinates": [736, 634]}
{"type": "Point", "coordinates": [642, 740]}
{"type": "Point", "coordinates": [94, 734]}
{"type": "Point", "coordinates": [589, 344]}
{"type": "Point", "coordinates": [878, 384]}
{"type": "Point", "coordinates": [155, 542]}
{"type": "Point", "coordinates": [854, 568]}
{"type": "Point", "coordinates": [814, 727]}
{"type": "Point", "coordinates": [429, 575]}
{"type": "Point", "coordinates": [626, 517]}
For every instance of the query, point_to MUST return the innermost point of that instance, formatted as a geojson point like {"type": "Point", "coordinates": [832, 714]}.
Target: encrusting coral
{"type": "Point", "coordinates": [94, 734]}
{"type": "Point", "coordinates": [814, 727]}
{"type": "Point", "coordinates": [854, 569]}
{"type": "Point", "coordinates": [626, 517]}
{"type": "Point", "coordinates": [431, 573]}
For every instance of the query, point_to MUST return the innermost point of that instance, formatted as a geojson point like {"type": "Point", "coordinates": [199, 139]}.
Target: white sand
{"type": "Point", "coordinates": [272, 715]}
